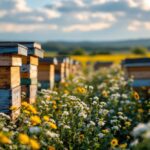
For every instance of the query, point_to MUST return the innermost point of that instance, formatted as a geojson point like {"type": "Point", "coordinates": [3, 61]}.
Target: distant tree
{"type": "Point", "coordinates": [139, 50]}
{"type": "Point", "coordinates": [79, 51]}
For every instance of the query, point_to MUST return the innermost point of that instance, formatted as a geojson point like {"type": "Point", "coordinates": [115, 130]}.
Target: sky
{"type": "Point", "coordinates": [74, 20]}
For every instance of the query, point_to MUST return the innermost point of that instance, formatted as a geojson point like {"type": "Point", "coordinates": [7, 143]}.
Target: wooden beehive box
{"type": "Point", "coordinates": [60, 70]}
{"type": "Point", "coordinates": [139, 69]}
{"type": "Point", "coordinates": [10, 89]}
{"type": "Point", "coordinates": [46, 72]}
{"type": "Point", "coordinates": [99, 64]}
{"type": "Point", "coordinates": [29, 69]}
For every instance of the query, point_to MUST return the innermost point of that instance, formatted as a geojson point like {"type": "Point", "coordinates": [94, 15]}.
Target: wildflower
{"type": "Point", "coordinates": [54, 106]}
{"type": "Point", "coordinates": [32, 109]}
{"type": "Point", "coordinates": [123, 146]}
{"type": "Point", "coordinates": [46, 118]}
{"type": "Point", "coordinates": [51, 148]}
{"type": "Point", "coordinates": [81, 137]}
{"type": "Point", "coordinates": [4, 139]}
{"type": "Point", "coordinates": [26, 112]}
{"type": "Point", "coordinates": [80, 90]}
{"type": "Point", "coordinates": [35, 120]}
{"type": "Point", "coordinates": [34, 144]}
{"type": "Point", "coordinates": [105, 131]}
{"type": "Point", "coordinates": [13, 108]}
{"type": "Point", "coordinates": [128, 123]}
{"type": "Point", "coordinates": [34, 130]}
{"type": "Point", "coordinates": [114, 142]}
{"type": "Point", "coordinates": [105, 94]}
{"type": "Point", "coordinates": [52, 125]}
{"type": "Point", "coordinates": [101, 135]}
{"type": "Point", "coordinates": [140, 110]}
{"type": "Point", "coordinates": [136, 95]}
{"type": "Point", "coordinates": [24, 104]}
{"type": "Point", "coordinates": [23, 139]}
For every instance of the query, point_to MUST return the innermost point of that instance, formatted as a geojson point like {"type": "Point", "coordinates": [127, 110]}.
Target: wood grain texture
{"type": "Point", "coordinates": [29, 71]}
{"type": "Point", "coordinates": [139, 74]}
{"type": "Point", "coordinates": [10, 77]}
{"type": "Point", "coordinates": [31, 93]}
{"type": "Point", "coordinates": [8, 98]}
{"type": "Point", "coordinates": [10, 60]}
{"type": "Point", "coordinates": [30, 60]}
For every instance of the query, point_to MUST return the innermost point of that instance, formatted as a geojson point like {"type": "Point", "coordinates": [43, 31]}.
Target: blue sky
{"type": "Point", "coordinates": [74, 20]}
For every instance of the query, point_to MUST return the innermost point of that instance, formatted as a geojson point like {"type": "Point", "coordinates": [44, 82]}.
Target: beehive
{"type": "Point", "coordinates": [100, 64]}
{"type": "Point", "coordinates": [29, 69]}
{"type": "Point", "coordinates": [139, 69]}
{"type": "Point", "coordinates": [46, 72]}
{"type": "Point", "coordinates": [60, 71]}
{"type": "Point", "coordinates": [10, 89]}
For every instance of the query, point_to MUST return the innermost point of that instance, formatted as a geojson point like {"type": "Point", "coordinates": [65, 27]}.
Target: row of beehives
{"type": "Point", "coordinates": [22, 67]}
{"type": "Point", "coordinates": [138, 68]}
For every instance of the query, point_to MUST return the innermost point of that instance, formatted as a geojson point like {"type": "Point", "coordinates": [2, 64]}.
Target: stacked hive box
{"type": "Point", "coordinates": [74, 67]}
{"type": "Point", "coordinates": [60, 70]}
{"type": "Point", "coordinates": [10, 89]}
{"type": "Point", "coordinates": [139, 69]}
{"type": "Point", "coordinates": [29, 70]}
{"type": "Point", "coordinates": [100, 64]}
{"type": "Point", "coordinates": [46, 72]}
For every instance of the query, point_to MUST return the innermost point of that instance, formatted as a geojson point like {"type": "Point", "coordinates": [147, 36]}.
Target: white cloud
{"type": "Point", "coordinates": [2, 13]}
{"type": "Point", "coordinates": [98, 15]}
{"type": "Point", "coordinates": [50, 13]}
{"type": "Point", "coordinates": [137, 25]}
{"type": "Point", "coordinates": [21, 6]}
{"type": "Point", "coordinates": [87, 27]}
{"type": "Point", "coordinates": [19, 28]}
{"type": "Point", "coordinates": [103, 1]}
{"type": "Point", "coordinates": [142, 4]}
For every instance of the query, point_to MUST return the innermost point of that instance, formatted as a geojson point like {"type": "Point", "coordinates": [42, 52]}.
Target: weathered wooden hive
{"type": "Point", "coordinates": [100, 64]}
{"type": "Point", "coordinates": [46, 72]}
{"type": "Point", "coordinates": [74, 67]}
{"type": "Point", "coordinates": [10, 89]}
{"type": "Point", "coordinates": [139, 69]}
{"type": "Point", "coordinates": [29, 69]}
{"type": "Point", "coordinates": [60, 70]}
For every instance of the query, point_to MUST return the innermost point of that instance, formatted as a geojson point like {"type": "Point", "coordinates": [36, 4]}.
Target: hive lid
{"type": "Point", "coordinates": [49, 60]}
{"type": "Point", "coordinates": [34, 48]}
{"type": "Point", "coordinates": [13, 49]}
{"type": "Point", "coordinates": [136, 62]}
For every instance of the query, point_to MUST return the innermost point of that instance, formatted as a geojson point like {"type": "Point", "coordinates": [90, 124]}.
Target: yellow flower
{"type": "Point", "coordinates": [128, 123]}
{"type": "Point", "coordinates": [4, 139]}
{"type": "Point", "coordinates": [66, 91]}
{"type": "Point", "coordinates": [46, 118]}
{"type": "Point", "coordinates": [32, 109]}
{"type": "Point", "coordinates": [114, 142]}
{"type": "Point", "coordinates": [52, 125]}
{"type": "Point", "coordinates": [54, 106]}
{"type": "Point", "coordinates": [34, 144]}
{"type": "Point", "coordinates": [54, 102]}
{"type": "Point", "coordinates": [140, 110]}
{"type": "Point", "coordinates": [136, 95]}
{"type": "Point", "coordinates": [105, 94]}
{"type": "Point", "coordinates": [80, 90]}
{"type": "Point", "coordinates": [23, 139]}
{"type": "Point", "coordinates": [13, 108]}
{"type": "Point", "coordinates": [26, 112]}
{"type": "Point", "coordinates": [123, 146]}
{"type": "Point", "coordinates": [51, 148]}
{"type": "Point", "coordinates": [35, 120]}
{"type": "Point", "coordinates": [24, 104]}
